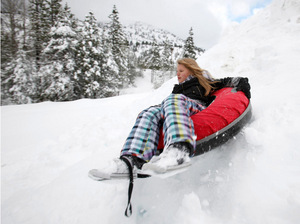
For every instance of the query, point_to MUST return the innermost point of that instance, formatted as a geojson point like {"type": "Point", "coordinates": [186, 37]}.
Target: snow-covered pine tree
{"type": "Point", "coordinates": [40, 28]}
{"type": "Point", "coordinates": [22, 80]}
{"type": "Point", "coordinates": [40, 14]}
{"type": "Point", "coordinates": [57, 72]}
{"type": "Point", "coordinates": [54, 11]}
{"type": "Point", "coordinates": [119, 46]}
{"type": "Point", "coordinates": [167, 60]}
{"type": "Point", "coordinates": [93, 74]}
{"type": "Point", "coordinates": [87, 59]}
{"type": "Point", "coordinates": [133, 70]}
{"type": "Point", "coordinates": [11, 23]}
{"type": "Point", "coordinates": [189, 47]}
{"type": "Point", "coordinates": [151, 58]}
{"type": "Point", "coordinates": [73, 21]}
{"type": "Point", "coordinates": [109, 68]}
{"type": "Point", "coordinates": [24, 26]}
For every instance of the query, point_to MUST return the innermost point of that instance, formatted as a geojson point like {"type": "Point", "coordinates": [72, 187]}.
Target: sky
{"type": "Point", "coordinates": [208, 18]}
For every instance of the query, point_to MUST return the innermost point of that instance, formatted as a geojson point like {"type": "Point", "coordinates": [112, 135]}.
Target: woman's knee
{"type": "Point", "coordinates": [150, 112]}
{"type": "Point", "coordinates": [174, 98]}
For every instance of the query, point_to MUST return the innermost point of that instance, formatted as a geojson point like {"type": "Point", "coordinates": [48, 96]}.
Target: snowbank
{"type": "Point", "coordinates": [48, 148]}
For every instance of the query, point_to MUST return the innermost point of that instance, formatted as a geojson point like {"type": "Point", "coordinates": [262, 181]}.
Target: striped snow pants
{"type": "Point", "coordinates": [173, 115]}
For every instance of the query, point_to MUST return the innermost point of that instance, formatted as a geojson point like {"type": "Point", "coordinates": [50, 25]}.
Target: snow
{"type": "Point", "coordinates": [48, 148]}
{"type": "Point", "coordinates": [141, 85]}
{"type": "Point", "coordinates": [64, 31]}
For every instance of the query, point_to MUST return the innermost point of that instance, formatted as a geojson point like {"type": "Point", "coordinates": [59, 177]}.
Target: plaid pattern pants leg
{"type": "Point", "coordinates": [143, 139]}
{"type": "Point", "coordinates": [178, 126]}
{"type": "Point", "coordinates": [174, 115]}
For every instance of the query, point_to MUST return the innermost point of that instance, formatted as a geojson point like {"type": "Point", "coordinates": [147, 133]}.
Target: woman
{"type": "Point", "coordinates": [190, 96]}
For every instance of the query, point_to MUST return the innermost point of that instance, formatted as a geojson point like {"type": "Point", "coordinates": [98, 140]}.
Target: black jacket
{"type": "Point", "coordinates": [194, 90]}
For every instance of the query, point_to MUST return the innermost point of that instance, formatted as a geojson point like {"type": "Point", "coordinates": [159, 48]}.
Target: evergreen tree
{"type": "Point", "coordinates": [10, 28]}
{"type": "Point", "coordinates": [72, 21]}
{"type": "Point", "coordinates": [158, 77]}
{"type": "Point", "coordinates": [110, 80]}
{"type": "Point", "coordinates": [152, 58]}
{"type": "Point", "coordinates": [54, 11]}
{"type": "Point", "coordinates": [13, 21]}
{"type": "Point", "coordinates": [20, 86]}
{"type": "Point", "coordinates": [40, 13]}
{"type": "Point", "coordinates": [110, 71]}
{"type": "Point", "coordinates": [161, 62]}
{"type": "Point", "coordinates": [189, 47]}
{"type": "Point", "coordinates": [119, 46]}
{"type": "Point", "coordinates": [40, 27]}
{"type": "Point", "coordinates": [24, 27]}
{"type": "Point", "coordinates": [133, 70]}
{"type": "Point", "coordinates": [57, 75]}
{"type": "Point", "coordinates": [167, 61]}
{"type": "Point", "coordinates": [93, 74]}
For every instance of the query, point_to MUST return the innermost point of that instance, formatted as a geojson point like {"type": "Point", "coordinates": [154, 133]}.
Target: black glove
{"type": "Point", "coordinates": [224, 82]}
{"type": "Point", "coordinates": [240, 83]}
{"type": "Point", "coordinates": [244, 86]}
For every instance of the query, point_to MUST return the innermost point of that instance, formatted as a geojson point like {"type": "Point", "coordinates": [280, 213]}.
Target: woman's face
{"type": "Point", "coordinates": [182, 73]}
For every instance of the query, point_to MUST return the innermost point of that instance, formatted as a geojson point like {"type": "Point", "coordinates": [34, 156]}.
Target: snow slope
{"type": "Point", "coordinates": [48, 148]}
{"type": "Point", "coordinates": [141, 84]}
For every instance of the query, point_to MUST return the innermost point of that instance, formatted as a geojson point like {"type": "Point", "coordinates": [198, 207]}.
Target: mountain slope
{"type": "Point", "coordinates": [141, 32]}
{"type": "Point", "coordinates": [48, 148]}
{"type": "Point", "coordinates": [143, 36]}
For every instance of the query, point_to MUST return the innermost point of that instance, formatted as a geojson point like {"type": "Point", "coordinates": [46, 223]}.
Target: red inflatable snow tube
{"type": "Point", "coordinates": [225, 109]}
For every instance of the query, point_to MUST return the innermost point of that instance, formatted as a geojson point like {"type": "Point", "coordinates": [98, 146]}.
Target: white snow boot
{"type": "Point", "coordinates": [115, 169]}
{"type": "Point", "coordinates": [176, 156]}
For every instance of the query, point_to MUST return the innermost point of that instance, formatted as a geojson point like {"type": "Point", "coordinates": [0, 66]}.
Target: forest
{"type": "Point", "coordinates": [47, 54]}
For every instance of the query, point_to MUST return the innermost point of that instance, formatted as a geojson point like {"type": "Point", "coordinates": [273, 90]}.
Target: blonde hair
{"type": "Point", "coordinates": [198, 72]}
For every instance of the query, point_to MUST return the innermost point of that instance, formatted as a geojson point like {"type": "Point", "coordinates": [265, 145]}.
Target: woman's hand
{"type": "Point", "coordinates": [244, 86]}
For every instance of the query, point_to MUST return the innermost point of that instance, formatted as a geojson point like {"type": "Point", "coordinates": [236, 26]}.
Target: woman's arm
{"type": "Point", "coordinates": [240, 83]}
